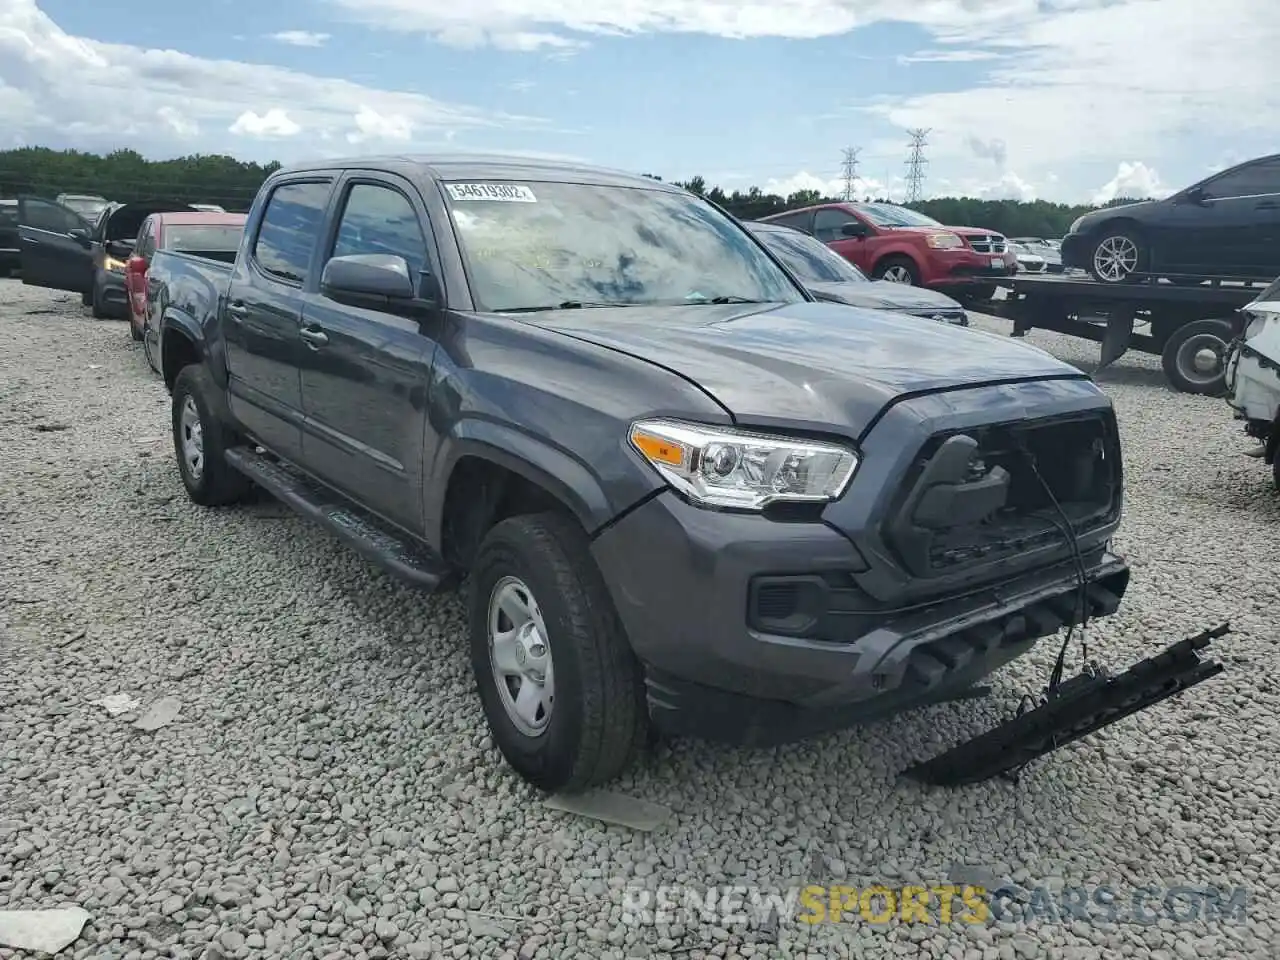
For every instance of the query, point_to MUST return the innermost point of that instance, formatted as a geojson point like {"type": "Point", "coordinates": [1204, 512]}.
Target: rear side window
{"type": "Point", "coordinates": [205, 237]}
{"type": "Point", "coordinates": [289, 229]}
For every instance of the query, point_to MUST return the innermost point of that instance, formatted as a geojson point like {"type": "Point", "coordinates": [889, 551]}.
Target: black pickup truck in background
{"type": "Point", "coordinates": [680, 493]}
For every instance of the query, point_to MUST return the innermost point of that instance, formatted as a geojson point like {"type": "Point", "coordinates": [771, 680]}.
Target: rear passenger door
{"type": "Point", "coordinates": [365, 379]}
{"type": "Point", "coordinates": [263, 312]}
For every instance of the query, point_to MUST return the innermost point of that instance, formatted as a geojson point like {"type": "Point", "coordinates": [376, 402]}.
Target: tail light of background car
{"type": "Point", "coordinates": [136, 270]}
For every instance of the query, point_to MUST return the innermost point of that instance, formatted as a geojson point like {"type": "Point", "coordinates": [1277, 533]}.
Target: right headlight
{"type": "Point", "coordinates": [728, 468]}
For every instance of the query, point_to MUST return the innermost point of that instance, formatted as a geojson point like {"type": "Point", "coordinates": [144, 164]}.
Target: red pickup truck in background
{"type": "Point", "coordinates": [215, 236]}
{"type": "Point", "coordinates": [888, 242]}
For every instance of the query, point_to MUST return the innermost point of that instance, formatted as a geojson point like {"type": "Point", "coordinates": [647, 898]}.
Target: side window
{"type": "Point", "coordinates": [145, 245]}
{"type": "Point", "coordinates": [828, 221]}
{"type": "Point", "coordinates": [1256, 178]}
{"type": "Point", "coordinates": [46, 215]}
{"type": "Point", "coordinates": [289, 228]}
{"type": "Point", "coordinates": [378, 219]}
{"type": "Point", "coordinates": [798, 221]}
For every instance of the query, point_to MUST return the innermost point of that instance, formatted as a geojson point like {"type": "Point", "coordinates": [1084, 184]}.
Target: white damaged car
{"type": "Point", "coordinates": [1253, 376]}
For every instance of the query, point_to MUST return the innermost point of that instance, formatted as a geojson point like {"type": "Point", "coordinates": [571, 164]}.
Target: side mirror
{"type": "Point", "coordinates": [367, 275]}
{"type": "Point", "coordinates": [81, 236]}
{"type": "Point", "coordinates": [853, 230]}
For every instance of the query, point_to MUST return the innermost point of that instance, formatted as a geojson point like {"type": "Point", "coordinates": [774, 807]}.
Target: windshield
{"type": "Point", "coordinates": [87, 207]}
{"type": "Point", "coordinates": [207, 237]}
{"type": "Point", "coordinates": [809, 259]}
{"type": "Point", "coordinates": [539, 245]}
{"type": "Point", "coordinates": [887, 215]}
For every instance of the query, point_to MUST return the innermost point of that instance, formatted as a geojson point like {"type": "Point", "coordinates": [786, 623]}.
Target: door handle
{"type": "Point", "coordinates": [314, 338]}
{"type": "Point", "coordinates": [1266, 205]}
{"type": "Point", "coordinates": [237, 310]}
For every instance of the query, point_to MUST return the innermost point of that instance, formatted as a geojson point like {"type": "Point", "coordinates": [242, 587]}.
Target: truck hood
{"type": "Point", "coordinates": [884, 295]}
{"type": "Point", "coordinates": [816, 365]}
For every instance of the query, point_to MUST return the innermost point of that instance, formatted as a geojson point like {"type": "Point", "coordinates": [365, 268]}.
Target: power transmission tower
{"type": "Point", "coordinates": [850, 170]}
{"type": "Point", "coordinates": [916, 164]}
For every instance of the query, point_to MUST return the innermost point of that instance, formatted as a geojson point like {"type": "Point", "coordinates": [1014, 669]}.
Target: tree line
{"type": "Point", "coordinates": [126, 175]}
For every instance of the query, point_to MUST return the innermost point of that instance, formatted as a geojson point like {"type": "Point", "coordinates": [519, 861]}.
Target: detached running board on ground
{"type": "Point", "coordinates": [1079, 707]}
{"type": "Point", "coordinates": [391, 549]}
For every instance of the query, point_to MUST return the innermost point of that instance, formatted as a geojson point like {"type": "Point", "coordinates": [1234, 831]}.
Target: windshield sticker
{"type": "Point", "coordinates": [504, 192]}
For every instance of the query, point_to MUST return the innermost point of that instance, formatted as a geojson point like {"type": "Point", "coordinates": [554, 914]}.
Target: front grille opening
{"type": "Point", "coordinates": [942, 523]}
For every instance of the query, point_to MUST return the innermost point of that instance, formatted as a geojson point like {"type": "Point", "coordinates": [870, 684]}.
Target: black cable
{"type": "Point", "coordinates": [1063, 522]}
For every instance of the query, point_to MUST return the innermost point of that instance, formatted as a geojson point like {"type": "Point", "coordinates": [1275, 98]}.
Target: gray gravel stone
{"type": "Point", "coordinates": [315, 800]}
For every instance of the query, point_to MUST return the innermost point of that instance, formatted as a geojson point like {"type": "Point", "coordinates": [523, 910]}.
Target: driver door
{"type": "Point", "coordinates": [51, 255]}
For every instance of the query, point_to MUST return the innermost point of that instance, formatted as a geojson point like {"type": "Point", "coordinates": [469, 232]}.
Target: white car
{"type": "Point", "coordinates": [1028, 262]}
{"type": "Point", "coordinates": [1253, 376]}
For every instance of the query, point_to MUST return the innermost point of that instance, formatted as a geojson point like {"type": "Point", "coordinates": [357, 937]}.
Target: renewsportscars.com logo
{"type": "Point", "coordinates": [879, 904]}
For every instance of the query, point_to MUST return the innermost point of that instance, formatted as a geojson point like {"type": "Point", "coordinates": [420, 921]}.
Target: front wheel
{"type": "Point", "coordinates": [98, 307]}
{"type": "Point", "coordinates": [1118, 256]}
{"type": "Point", "coordinates": [1194, 357]}
{"type": "Point", "coordinates": [898, 270]}
{"type": "Point", "coordinates": [560, 686]}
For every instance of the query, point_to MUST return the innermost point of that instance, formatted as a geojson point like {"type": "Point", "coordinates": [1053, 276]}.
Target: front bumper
{"type": "Point", "coordinates": [1253, 385]}
{"type": "Point", "coordinates": [682, 577]}
{"type": "Point", "coordinates": [1074, 252]}
{"type": "Point", "coordinates": [966, 268]}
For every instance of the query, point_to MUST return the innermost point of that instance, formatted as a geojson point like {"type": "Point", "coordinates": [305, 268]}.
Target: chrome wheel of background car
{"type": "Point", "coordinates": [192, 438]}
{"type": "Point", "coordinates": [1201, 358]}
{"type": "Point", "coordinates": [520, 655]}
{"type": "Point", "coordinates": [897, 274]}
{"type": "Point", "coordinates": [1115, 258]}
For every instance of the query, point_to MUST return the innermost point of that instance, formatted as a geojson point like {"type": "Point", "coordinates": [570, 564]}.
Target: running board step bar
{"type": "Point", "coordinates": [1080, 706]}
{"type": "Point", "coordinates": [393, 550]}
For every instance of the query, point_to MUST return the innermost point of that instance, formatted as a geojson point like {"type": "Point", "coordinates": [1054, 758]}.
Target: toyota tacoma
{"type": "Point", "coordinates": [680, 495]}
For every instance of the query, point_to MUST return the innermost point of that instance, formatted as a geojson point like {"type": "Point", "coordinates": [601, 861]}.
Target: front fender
{"type": "Point", "coordinates": [560, 473]}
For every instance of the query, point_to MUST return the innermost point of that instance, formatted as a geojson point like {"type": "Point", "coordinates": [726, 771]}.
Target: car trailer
{"type": "Point", "coordinates": [1189, 322]}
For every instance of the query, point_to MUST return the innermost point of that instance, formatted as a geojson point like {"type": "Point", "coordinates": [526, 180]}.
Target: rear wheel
{"type": "Point", "coordinates": [898, 270]}
{"type": "Point", "coordinates": [561, 688]}
{"type": "Point", "coordinates": [1118, 255]}
{"type": "Point", "coordinates": [200, 442]}
{"type": "Point", "coordinates": [1194, 357]}
{"type": "Point", "coordinates": [135, 331]}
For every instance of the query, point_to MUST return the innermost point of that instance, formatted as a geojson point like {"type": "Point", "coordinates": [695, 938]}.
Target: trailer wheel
{"type": "Point", "coordinates": [1194, 357]}
{"type": "Point", "coordinates": [1117, 255]}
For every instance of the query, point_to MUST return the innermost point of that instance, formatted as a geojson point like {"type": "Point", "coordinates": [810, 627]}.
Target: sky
{"type": "Point", "coordinates": [1067, 100]}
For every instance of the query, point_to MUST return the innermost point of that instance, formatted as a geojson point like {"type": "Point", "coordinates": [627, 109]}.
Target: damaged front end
{"type": "Point", "coordinates": [1253, 376]}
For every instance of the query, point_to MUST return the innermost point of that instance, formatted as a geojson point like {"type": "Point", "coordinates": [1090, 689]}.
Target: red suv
{"type": "Point", "coordinates": [888, 242]}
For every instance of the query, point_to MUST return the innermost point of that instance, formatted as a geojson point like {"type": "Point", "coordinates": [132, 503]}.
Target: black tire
{"type": "Point", "coordinates": [1126, 269]}
{"type": "Point", "coordinates": [99, 309]}
{"type": "Point", "coordinates": [1275, 471]}
{"type": "Point", "coordinates": [905, 265]}
{"type": "Point", "coordinates": [134, 331]}
{"type": "Point", "coordinates": [598, 722]}
{"type": "Point", "coordinates": [216, 483]}
{"type": "Point", "coordinates": [86, 298]}
{"type": "Point", "coordinates": [1180, 352]}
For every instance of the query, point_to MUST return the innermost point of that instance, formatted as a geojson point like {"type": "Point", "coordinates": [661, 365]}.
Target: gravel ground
{"type": "Point", "coordinates": [327, 789]}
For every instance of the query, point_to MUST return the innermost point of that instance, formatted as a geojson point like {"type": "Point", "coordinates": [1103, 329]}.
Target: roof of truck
{"type": "Point", "coordinates": [483, 166]}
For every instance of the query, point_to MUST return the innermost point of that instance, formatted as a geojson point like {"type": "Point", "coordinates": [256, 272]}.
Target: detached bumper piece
{"type": "Point", "coordinates": [1079, 707]}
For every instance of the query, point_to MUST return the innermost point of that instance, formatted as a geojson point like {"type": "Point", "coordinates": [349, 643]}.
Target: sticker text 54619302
{"type": "Point", "coordinates": [507, 192]}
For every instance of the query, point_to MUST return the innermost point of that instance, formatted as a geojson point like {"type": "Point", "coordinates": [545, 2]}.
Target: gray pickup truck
{"type": "Point", "coordinates": [681, 495]}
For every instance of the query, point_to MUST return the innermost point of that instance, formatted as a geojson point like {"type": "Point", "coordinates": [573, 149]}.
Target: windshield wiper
{"type": "Point", "coordinates": [569, 305]}
{"type": "Point", "coordinates": [725, 299]}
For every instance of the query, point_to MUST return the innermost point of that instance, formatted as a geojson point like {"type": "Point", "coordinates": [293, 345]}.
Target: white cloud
{"type": "Point", "coordinates": [53, 87]}
{"type": "Point", "coordinates": [181, 125]}
{"type": "Point", "coordinates": [274, 123]}
{"type": "Point", "coordinates": [947, 56]}
{"type": "Point", "coordinates": [301, 38]}
{"type": "Point", "coordinates": [828, 187]}
{"type": "Point", "coordinates": [1134, 181]}
{"type": "Point", "coordinates": [1086, 83]}
{"type": "Point", "coordinates": [372, 125]}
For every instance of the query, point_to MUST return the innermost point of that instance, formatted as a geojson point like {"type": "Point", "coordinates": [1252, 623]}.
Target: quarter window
{"type": "Point", "coordinates": [289, 228]}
